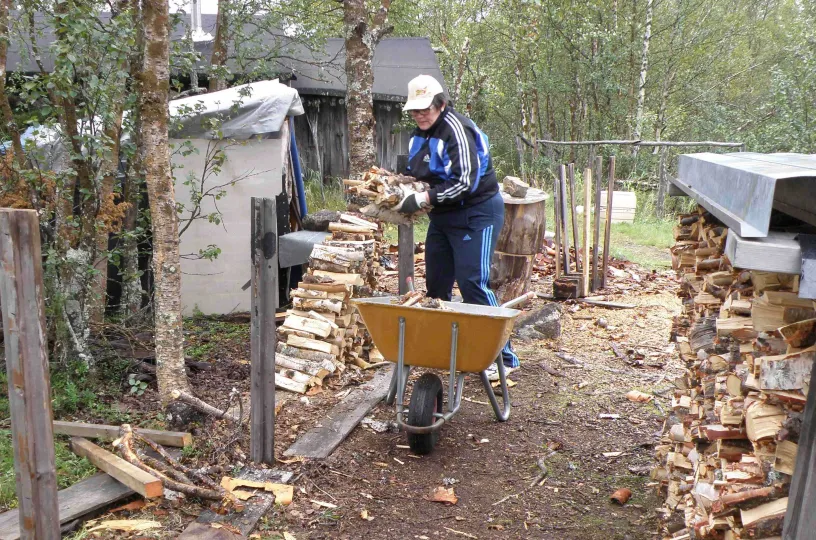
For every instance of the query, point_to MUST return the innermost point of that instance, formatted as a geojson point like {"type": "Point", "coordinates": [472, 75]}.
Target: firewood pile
{"type": "Point", "coordinates": [729, 446]}
{"type": "Point", "coordinates": [323, 332]}
{"type": "Point", "coordinates": [383, 190]}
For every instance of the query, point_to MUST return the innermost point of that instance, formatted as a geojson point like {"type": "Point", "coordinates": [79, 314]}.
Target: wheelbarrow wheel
{"type": "Point", "coordinates": [426, 399]}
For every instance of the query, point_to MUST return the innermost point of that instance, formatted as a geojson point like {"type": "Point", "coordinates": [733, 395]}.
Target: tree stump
{"type": "Point", "coordinates": [510, 275]}
{"type": "Point", "coordinates": [520, 239]}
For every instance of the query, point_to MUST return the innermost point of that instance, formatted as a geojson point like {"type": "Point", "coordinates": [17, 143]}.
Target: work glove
{"type": "Point", "coordinates": [413, 203]}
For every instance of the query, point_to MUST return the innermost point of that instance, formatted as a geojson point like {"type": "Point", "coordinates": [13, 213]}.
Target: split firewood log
{"type": "Point", "coordinates": [385, 190]}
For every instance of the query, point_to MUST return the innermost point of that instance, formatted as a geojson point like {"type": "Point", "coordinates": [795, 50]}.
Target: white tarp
{"type": "Point", "coordinates": [239, 113]}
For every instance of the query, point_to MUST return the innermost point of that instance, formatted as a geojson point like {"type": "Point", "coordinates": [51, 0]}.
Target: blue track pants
{"type": "Point", "coordinates": [459, 247]}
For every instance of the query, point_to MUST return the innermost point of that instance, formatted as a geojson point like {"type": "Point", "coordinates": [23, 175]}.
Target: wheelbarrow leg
{"type": "Point", "coordinates": [392, 389]}
{"type": "Point", "coordinates": [502, 412]}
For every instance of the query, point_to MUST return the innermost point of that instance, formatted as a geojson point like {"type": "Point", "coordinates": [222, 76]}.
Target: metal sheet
{"type": "Point", "coordinates": [741, 188]}
{"type": "Point", "coordinates": [807, 281]}
{"type": "Point", "coordinates": [778, 252]}
{"type": "Point", "coordinates": [295, 248]}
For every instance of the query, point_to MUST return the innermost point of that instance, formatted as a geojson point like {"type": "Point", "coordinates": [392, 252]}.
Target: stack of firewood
{"type": "Point", "coordinates": [728, 449]}
{"type": "Point", "coordinates": [323, 332]}
{"type": "Point", "coordinates": [384, 190]}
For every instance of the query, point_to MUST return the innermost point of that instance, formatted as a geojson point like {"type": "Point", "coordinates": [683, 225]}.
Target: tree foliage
{"type": "Point", "coordinates": [565, 70]}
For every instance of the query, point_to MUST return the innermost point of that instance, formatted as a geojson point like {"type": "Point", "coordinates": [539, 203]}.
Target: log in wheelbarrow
{"type": "Point", "coordinates": [462, 338]}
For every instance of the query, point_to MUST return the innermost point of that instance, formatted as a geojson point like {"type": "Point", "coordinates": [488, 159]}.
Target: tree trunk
{"type": "Point", "coordinates": [155, 81]}
{"type": "Point", "coordinates": [460, 71]}
{"type": "Point", "coordinates": [644, 70]}
{"type": "Point", "coordinates": [131, 300]}
{"type": "Point", "coordinates": [363, 33]}
{"type": "Point", "coordinates": [510, 275]}
{"type": "Point", "coordinates": [10, 125]}
{"type": "Point", "coordinates": [219, 53]}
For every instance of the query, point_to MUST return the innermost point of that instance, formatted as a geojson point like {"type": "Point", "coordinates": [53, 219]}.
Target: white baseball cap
{"type": "Point", "coordinates": [421, 91]}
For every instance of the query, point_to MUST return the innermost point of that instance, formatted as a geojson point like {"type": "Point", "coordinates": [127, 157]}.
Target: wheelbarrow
{"type": "Point", "coordinates": [430, 338]}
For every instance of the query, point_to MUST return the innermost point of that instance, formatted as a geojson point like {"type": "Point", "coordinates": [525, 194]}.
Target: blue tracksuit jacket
{"type": "Point", "coordinates": [453, 157]}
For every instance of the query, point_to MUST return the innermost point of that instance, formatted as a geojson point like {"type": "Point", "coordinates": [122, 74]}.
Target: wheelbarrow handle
{"type": "Point", "coordinates": [520, 300]}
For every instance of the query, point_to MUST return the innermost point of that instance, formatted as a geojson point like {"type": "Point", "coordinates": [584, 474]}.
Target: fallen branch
{"type": "Point", "coordinates": [590, 301]}
{"type": "Point", "coordinates": [175, 464]}
{"type": "Point", "coordinates": [460, 533]}
{"type": "Point", "coordinates": [204, 407]}
{"type": "Point", "coordinates": [125, 447]}
{"type": "Point", "coordinates": [551, 371]}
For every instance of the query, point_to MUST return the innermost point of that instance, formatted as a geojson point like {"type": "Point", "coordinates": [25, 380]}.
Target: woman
{"type": "Point", "coordinates": [449, 152]}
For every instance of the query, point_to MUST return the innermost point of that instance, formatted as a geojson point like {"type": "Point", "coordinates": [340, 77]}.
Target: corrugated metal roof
{"type": "Point", "coordinates": [321, 72]}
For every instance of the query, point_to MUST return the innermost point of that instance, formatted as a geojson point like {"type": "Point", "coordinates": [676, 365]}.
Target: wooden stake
{"type": "Point", "coordinates": [29, 391]}
{"type": "Point", "coordinates": [557, 226]}
{"type": "Point", "coordinates": [587, 202]}
{"type": "Point", "coordinates": [133, 477]}
{"type": "Point", "coordinates": [564, 216]}
{"type": "Point", "coordinates": [574, 217]}
{"type": "Point", "coordinates": [610, 188]}
{"type": "Point", "coordinates": [596, 230]}
{"type": "Point", "coordinates": [262, 331]}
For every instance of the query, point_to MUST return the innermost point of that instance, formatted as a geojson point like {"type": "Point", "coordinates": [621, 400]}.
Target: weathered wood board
{"type": "Point", "coordinates": [321, 441]}
{"type": "Point", "coordinates": [244, 521]}
{"type": "Point", "coordinates": [74, 502]}
{"type": "Point", "coordinates": [110, 433]}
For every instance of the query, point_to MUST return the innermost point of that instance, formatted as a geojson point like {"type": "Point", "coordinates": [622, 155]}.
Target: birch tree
{"type": "Point", "coordinates": [644, 70]}
{"type": "Point", "coordinates": [155, 156]}
{"type": "Point", "coordinates": [363, 31]}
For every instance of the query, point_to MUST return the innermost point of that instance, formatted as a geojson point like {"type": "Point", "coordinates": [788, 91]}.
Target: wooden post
{"type": "Point", "coordinates": [574, 217]}
{"type": "Point", "coordinates": [262, 339]}
{"type": "Point", "coordinates": [557, 225]}
{"type": "Point", "coordinates": [21, 290]}
{"type": "Point", "coordinates": [565, 235]}
{"type": "Point", "coordinates": [610, 188]}
{"type": "Point", "coordinates": [596, 231]}
{"type": "Point", "coordinates": [587, 202]}
{"type": "Point", "coordinates": [405, 245]}
{"type": "Point", "coordinates": [800, 519]}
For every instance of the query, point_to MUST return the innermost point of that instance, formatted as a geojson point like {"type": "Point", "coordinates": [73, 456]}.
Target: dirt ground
{"type": "Point", "coordinates": [373, 487]}
{"type": "Point", "coordinates": [381, 490]}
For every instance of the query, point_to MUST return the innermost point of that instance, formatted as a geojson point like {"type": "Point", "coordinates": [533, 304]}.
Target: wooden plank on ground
{"type": "Point", "coordinates": [256, 507]}
{"type": "Point", "coordinates": [321, 441]}
{"type": "Point", "coordinates": [135, 478]}
{"type": "Point", "coordinates": [74, 502]}
{"type": "Point", "coordinates": [103, 432]}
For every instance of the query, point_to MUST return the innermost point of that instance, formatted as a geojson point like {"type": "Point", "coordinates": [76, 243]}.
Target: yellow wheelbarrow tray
{"type": "Point", "coordinates": [429, 338]}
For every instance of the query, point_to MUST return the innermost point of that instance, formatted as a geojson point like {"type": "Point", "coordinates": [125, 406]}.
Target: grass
{"type": "Point", "coordinates": [73, 391]}
{"type": "Point", "coordinates": [643, 242]}
{"type": "Point", "coordinates": [330, 197]}
{"type": "Point", "coordinates": [70, 468]}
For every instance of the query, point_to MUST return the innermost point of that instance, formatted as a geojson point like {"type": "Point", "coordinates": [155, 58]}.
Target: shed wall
{"type": "Point", "coordinates": [322, 135]}
{"type": "Point", "coordinates": [214, 287]}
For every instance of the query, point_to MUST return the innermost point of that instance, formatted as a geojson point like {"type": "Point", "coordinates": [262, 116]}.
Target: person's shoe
{"type": "Point", "coordinates": [493, 371]}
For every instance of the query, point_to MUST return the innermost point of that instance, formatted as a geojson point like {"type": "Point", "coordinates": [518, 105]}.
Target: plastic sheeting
{"type": "Point", "coordinates": [244, 112]}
